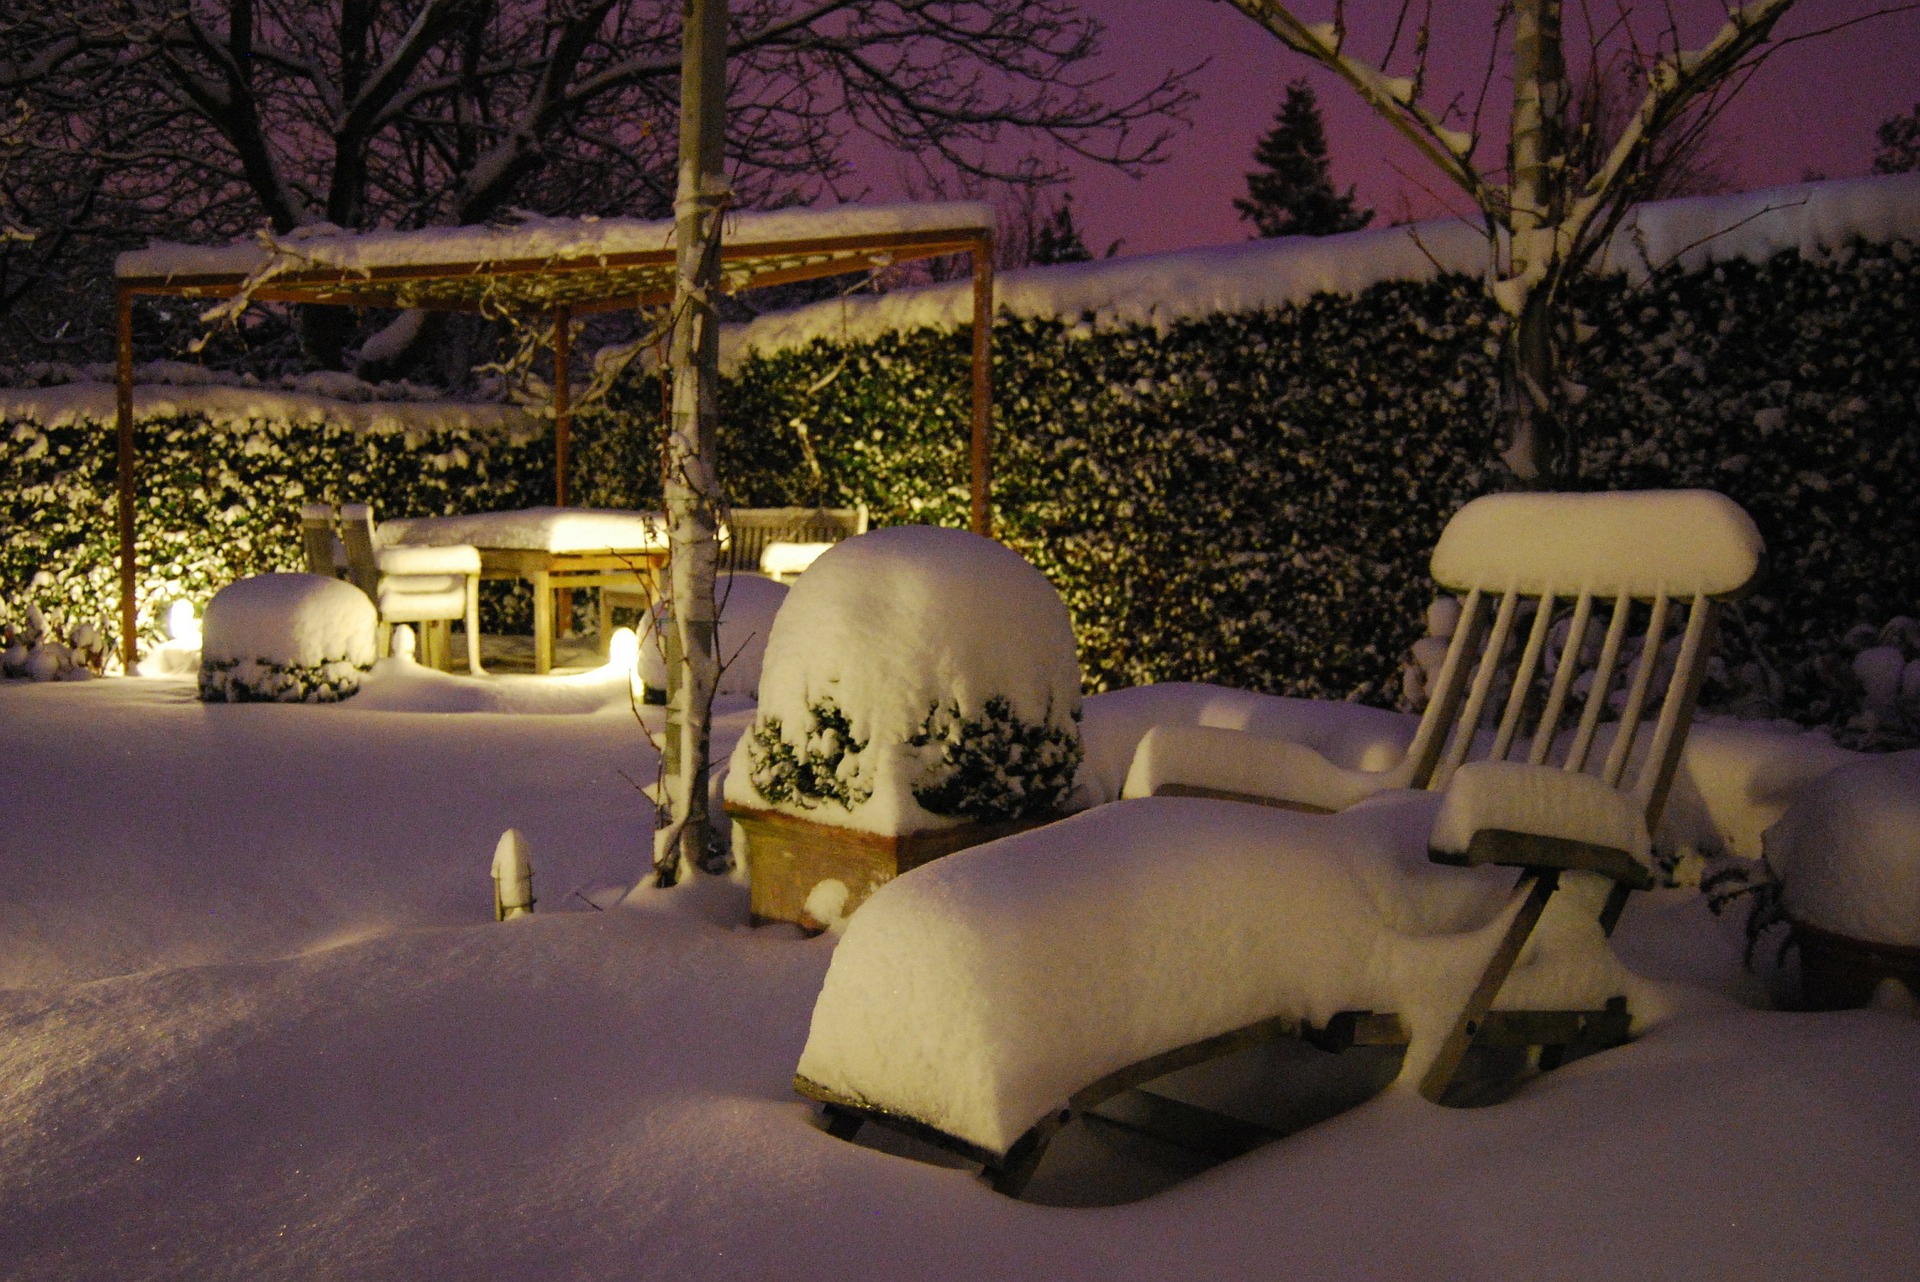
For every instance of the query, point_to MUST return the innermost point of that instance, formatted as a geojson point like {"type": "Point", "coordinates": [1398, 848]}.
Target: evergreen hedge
{"type": "Point", "coordinates": [1242, 498]}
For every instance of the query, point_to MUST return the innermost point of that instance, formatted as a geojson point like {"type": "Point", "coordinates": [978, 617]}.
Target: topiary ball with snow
{"type": "Point", "coordinates": [286, 638]}
{"type": "Point", "coordinates": [1847, 851]}
{"type": "Point", "coordinates": [916, 678]}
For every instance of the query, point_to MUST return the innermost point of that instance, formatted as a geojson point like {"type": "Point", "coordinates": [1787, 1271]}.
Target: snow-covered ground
{"type": "Point", "coordinates": [258, 1023]}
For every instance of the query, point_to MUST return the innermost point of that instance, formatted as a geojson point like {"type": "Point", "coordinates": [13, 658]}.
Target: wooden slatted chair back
{"type": "Point", "coordinates": [317, 540]}
{"type": "Point", "coordinates": [1536, 573]}
{"type": "Point", "coordinates": [750, 529]}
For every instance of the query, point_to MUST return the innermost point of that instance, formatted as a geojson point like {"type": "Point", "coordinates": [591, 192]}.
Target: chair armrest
{"type": "Point", "coordinates": [1211, 761]}
{"type": "Point", "coordinates": [1510, 849]}
{"type": "Point", "coordinates": [1527, 816]}
{"type": "Point", "coordinates": [406, 558]}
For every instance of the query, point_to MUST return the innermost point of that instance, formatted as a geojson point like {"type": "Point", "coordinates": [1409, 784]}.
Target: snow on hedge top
{"type": "Point", "coordinates": [884, 630]}
{"type": "Point", "coordinates": [173, 389]}
{"type": "Point", "coordinates": [543, 529]}
{"type": "Point", "coordinates": [1160, 289]}
{"type": "Point", "coordinates": [324, 245]}
{"type": "Point", "coordinates": [1680, 542]}
{"type": "Point", "coordinates": [1848, 851]}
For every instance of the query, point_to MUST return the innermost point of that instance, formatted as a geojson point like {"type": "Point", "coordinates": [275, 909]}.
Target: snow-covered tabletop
{"type": "Point", "coordinates": [535, 529]}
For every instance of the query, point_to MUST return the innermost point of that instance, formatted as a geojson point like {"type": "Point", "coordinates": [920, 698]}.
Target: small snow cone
{"type": "Point", "coordinates": [920, 694]}
{"type": "Point", "coordinates": [286, 638]}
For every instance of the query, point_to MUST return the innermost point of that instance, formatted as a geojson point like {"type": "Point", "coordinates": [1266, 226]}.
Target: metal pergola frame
{"type": "Point", "coordinates": [563, 286]}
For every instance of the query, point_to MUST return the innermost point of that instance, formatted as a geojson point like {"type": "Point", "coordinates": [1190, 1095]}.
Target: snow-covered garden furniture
{"type": "Point", "coordinates": [320, 541]}
{"type": "Point", "coordinates": [750, 534]}
{"type": "Point", "coordinates": [920, 694]}
{"type": "Point", "coordinates": [986, 1001]}
{"type": "Point", "coordinates": [432, 585]}
{"type": "Point", "coordinates": [1847, 853]}
{"type": "Point", "coordinates": [286, 638]}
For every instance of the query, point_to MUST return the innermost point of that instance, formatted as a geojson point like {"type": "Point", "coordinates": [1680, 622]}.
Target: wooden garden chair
{"type": "Point", "coordinates": [428, 585]}
{"type": "Point", "coordinates": [1521, 780]}
{"type": "Point", "coordinates": [749, 531]}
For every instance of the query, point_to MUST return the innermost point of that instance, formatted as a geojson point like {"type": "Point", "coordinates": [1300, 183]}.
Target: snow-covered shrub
{"type": "Point", "coordinates": [1847, 852]}
{"type": "Point", "coordinates": [1880, 687]}
{"type": "Point", "coordinates": [916, 678]}
{"type": "Point", "coordinates": [286, 638]}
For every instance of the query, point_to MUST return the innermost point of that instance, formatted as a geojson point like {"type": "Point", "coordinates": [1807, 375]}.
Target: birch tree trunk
{"type": "Point", "coordinates": [1532, 428]}
{"type": "Point", "coordinates": [683, 835]}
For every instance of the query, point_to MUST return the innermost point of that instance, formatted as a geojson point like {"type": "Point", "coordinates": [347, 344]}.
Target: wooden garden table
{"type": "Point", "coordinates": [552, 549]}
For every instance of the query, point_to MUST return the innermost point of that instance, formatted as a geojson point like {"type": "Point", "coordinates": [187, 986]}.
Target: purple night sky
{"type": "Point", "coordinates": [1812, 107]}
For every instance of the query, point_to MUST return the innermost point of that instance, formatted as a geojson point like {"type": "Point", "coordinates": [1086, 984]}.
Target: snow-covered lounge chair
{"type": "Point", "coordinates": [433, 585]}
{"type": "Point", "coordinates": [985, 1000]}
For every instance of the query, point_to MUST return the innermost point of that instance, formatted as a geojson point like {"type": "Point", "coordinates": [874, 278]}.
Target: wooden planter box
{"type": "Point", "coordinates": [1838, 972]}
{"type": "Point", "coordinates": [788, 856]}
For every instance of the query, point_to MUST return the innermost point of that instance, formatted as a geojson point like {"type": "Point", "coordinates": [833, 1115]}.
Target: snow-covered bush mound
{"type": "Point", "coordinates": [916, 677]}
{"type": "Point", "coordinates": [1847, 851]}
{"type": "Point", "coordinates": [286, 638]}
{"type": "Point", "coordinates": [748, 604]}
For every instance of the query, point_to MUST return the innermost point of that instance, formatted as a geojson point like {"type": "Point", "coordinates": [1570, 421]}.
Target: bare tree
{"type": "Point", "coordinates": [692, 462]}
{"type": "Point", "coordinates": [1547, 216]}
{"type": "Point", "coordinates": [410, 113]}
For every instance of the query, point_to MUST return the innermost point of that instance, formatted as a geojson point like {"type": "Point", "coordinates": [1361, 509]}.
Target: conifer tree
{"type": "Point", "coordinates": [1899, 144]}
{"type": "Point", "coordinates": [1292, 192]}
{"type": "Point", "coordinates": [1057, 240]}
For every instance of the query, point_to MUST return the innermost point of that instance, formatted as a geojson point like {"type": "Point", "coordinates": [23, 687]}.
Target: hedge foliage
{"type": "Point", "coordinates": [1243, 498]}
{"type": "Point", "coordinates": [217, 503]}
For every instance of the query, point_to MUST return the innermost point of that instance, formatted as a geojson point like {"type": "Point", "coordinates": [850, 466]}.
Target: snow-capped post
{"type": "Point", "coordinates": [1553, 217]}
{"type": "Point", "coordinates": [683, 832]}
{"type": "Point", "coordinates": [512, 877]}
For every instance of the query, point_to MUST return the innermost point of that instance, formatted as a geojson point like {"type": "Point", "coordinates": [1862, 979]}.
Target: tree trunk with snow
{"type": "Point", "coordinates": [683, 835]}
{"type": "Point", "coordinates": [1533, 432]}
{"type": "Point", "coordinates": [1552, 218]}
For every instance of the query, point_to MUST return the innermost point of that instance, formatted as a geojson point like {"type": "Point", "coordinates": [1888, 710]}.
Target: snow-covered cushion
{"type": "Point", "coordinates": [980, 991]}
{"type": "Point", "coordinates": [287, 638]}
{"type": "Point", "coordinates": [416, 599]}
{"type": "Point", "coordinates": [781, 558]}
{"type": "Point", "coordinates": [1680, 542]}
{"type": "Point", "coordinates": [459, 558]}
{"type": "Point", "coordinates": [1542, 800]}
{"type": "Point", "coordinates": [1226, 760]}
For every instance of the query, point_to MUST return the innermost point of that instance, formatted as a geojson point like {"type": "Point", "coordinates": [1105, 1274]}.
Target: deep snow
{"type": "Point", "coordinates": [259, 1024]}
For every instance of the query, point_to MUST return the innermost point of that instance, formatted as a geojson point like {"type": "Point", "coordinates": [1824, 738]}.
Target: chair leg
{"type": "Point", "coordinates": [1446, 1064]}
{"type": "Point", "coordinates": [473, 626]}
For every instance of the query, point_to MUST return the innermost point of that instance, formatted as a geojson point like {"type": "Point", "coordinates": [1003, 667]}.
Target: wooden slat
{"type": "Point", "coordinates": [1676, 713]}
{"type": "Point", "coordinates": [1602, 683]}
{"type": "Point", "coordinates": [1643, 671]}
{"type": "Point", "coordinates": [1469, 719]}
{"type": "Point", "coordinates": [1444, 698]}
{"type": "Point", "coordinates": [1523, 676]}
{"type": "Point", "coordinates": [1562, 681]}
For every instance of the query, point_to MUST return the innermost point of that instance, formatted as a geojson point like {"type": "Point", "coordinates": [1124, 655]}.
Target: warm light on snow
{"type": "Point", "coordinates": [623, 651]}
{"type": "Point", "coordinates": [183, 625]}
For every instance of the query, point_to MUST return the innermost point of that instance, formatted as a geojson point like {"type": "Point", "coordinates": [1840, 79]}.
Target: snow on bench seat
{"type": "Point", "coordinates": [978, 993]}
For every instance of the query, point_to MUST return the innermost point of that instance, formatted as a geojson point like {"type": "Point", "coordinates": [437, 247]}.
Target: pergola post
{"type": "Point", "coordinates": [123, 418]}
{"type": "Point", "coordinates": [982, 383]}
{"type": "Point", "coordinates": [562, 400]}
